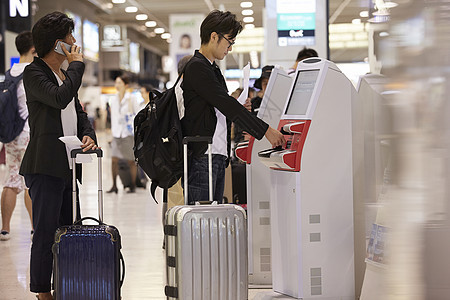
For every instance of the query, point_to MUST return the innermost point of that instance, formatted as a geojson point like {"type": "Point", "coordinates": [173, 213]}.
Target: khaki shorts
{"type": "Point", "coordinates": [123, 148]}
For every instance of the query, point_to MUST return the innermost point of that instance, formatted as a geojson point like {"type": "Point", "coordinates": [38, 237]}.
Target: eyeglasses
{"type": "Point", "coordinates": [231, 43]}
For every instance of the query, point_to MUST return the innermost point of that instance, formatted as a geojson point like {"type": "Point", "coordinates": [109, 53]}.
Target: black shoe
{"type": "Point", "coordinates": [113, 190]}
{"type": "Point", "coordinates": [131, 190]}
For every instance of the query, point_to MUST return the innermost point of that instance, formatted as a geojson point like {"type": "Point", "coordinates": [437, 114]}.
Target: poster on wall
{"type": "Point", "coordinates": [296, 22]}
{"type": "Point", "coordinates": [185, 31]}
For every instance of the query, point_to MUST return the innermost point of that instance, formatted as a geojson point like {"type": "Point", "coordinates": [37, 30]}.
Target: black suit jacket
{"type": "Point", "coordinates": [45, 153]}
{"type": "Point", "coordinates": [204, 88]}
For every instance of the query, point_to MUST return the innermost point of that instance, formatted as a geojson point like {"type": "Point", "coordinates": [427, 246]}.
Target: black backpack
{"type": "Point", "coordinates": [11, 123]}
{"type": "Point", "coordinates": [158, 147]}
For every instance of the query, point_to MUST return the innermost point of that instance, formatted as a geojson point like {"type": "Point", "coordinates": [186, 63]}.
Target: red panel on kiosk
{"type": "Point", "coordinates": [244, 150]}
{"type": "Point", "coordinates": [295, 142]}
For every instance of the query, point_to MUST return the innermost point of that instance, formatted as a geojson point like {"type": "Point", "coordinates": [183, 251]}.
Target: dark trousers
{"type": "Point", "coordinates": [198, 178]}
{"type": "Point", "coordinates": [52, 207]}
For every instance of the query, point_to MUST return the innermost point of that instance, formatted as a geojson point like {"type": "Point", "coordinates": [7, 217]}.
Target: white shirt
{"type": "Point", "coordinates": [122, 115]}
{"type": "Point", "coordinates": [16, 70]}
{"type": "Point", "coordinates": [69, 121]}
{"type": "Point", "coordinates": [219, 145]}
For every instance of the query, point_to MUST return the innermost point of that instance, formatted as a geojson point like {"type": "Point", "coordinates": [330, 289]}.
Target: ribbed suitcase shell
{"type": "Point", "coordinates": [87, 263]}
{"type": "Point", "coordinates": [209, 251]}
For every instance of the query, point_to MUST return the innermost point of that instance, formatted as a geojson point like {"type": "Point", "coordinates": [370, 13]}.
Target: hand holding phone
{"type": "Point", "coordinates": [59, 45]}
{"type": "Point", "coordinates": [73, 52]}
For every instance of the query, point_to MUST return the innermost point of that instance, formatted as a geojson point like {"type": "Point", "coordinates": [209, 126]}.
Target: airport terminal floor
{"type": "Point", "coordinates": [137, 217]}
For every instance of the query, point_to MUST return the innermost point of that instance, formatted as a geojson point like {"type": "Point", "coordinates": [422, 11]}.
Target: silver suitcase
{"type": "Point", "coordinates": [206, 247]}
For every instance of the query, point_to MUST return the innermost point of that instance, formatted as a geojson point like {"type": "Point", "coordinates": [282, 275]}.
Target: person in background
{"type": "Point", "coordinates": [145, 93]}
{"type": "Point", "coordinates": [15, 150]}
{"type": "Point", "coordinates": [123, 109]}
{"type": "Point", "coordinates": [208, 106]}
{"type": "Point", "coordinates": [54, 111]}
{"type": "Point", "coordinates": [261, 84]}
{"type": "Point", "coordinates": [302, 54]}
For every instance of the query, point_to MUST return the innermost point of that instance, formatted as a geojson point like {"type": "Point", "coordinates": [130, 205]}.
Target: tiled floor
{"type": "Point", "coordinates": [138, 219]}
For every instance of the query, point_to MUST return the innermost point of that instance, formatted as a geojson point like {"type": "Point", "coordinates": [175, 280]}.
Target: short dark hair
{"type": "Point", "coordinates": [148, 87]}
{"type": "Point", "coordinates": [51, 27]}
{"type": "Point", "coordinates": [125, 78]}
{"type": "Point", "coordinates": [24, 42]}
{"type": "Point", "coordinates": [306, 53]}
{"type": "Point", "coordinates": [220, 22]}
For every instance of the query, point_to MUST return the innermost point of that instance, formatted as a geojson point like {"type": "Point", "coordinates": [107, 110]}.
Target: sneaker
{"type": "Point", "coordinates": [4, 235]}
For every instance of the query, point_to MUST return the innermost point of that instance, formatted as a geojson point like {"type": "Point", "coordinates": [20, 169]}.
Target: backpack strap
{"type": "Point", "coordinates": [153, 187]}
{"type": "Point", "coordinates": [15, 80]}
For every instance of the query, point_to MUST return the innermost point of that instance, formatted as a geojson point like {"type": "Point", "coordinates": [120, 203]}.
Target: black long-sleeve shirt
{"type": "Point", "coordinates": [204, 89]}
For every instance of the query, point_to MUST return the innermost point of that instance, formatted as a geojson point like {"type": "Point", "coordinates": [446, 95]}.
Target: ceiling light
{"type": "Point", "coordinates": [159, 30]}
{"type": "Point", "coordinates": [246, 4]}
{"type": "Point", "coordinates": [383, 34]}
{"type": "Point", "coordinates": [118, 1]}
{"type": "Point", "coordinates": [131, 9]}
{"type": "Point", "coordinates": [364, 14]}
{"type": "Point", "coordinates": [166, 36]}
{"type": "Point", "coordinates": [141, 17]}
{"type": "Point", "coordinates": [150, 23]}
{"type": "Point", "coordinates": [249, 26]}
{"type": "Point", "coordinates": [247, 12]}
{"type": "Point", "coordinates": [248, 19]}
{"type": "Point", "coordinates": [356, 21]}
{"type": "Point", "coordinates": [390, 4]}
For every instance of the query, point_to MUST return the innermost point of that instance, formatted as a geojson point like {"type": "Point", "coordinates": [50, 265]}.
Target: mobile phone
{"type": "Point", "coordinates": [58, 47]}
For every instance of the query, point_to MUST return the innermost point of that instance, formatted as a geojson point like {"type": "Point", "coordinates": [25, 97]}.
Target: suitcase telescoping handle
{"type": "Point", "coordinates": [73, 155]}
{"type": "Point", "coordinates": [197, 139]}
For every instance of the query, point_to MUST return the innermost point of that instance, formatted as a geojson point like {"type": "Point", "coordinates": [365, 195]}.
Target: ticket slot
{"type": "Point", "coordinates": [288, 157]}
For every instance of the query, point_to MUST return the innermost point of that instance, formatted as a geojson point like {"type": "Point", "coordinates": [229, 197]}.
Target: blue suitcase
{"type": "Point", "coordinates": [87, 258]}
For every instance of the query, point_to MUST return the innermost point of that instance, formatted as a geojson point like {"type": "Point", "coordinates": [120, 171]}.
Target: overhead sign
{"type": "Point", "coordinates": [296, 22]}
{"type": "Point", "coordinates": [19, 6]}
{"type": "Point", "coordinates": [113, 38]}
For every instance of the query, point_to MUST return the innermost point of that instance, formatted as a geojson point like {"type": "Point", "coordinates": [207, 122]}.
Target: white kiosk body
{"type": "Point", "coordinates": [312, 187]}
{"type": "Point", "coordinates": [258, 181]}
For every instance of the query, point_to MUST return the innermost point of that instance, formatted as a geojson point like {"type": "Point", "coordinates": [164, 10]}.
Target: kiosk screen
{"type": "Point", "coordinates": [302, 92]}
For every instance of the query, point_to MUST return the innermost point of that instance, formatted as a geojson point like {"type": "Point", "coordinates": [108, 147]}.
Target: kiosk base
{"type": "Point", "coordinates": [270, 295]}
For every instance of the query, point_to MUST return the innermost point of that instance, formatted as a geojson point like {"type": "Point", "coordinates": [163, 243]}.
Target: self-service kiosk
{"type": "Point", "coordinates": [312, 187]}
{"type": "Point", "coordinates": [258, 181]}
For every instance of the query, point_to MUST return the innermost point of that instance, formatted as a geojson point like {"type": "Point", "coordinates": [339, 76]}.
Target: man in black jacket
{"type": "Point", "coordinates": [54, 111]}
{"type": "Point", "coordinates": [209, 108]}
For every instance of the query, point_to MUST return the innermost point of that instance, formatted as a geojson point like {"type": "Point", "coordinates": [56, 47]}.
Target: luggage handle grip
{"type": "Point", "coordinates": [197, 139]}
{"type": "Point", "coordinates": [88, 218]}
{"type": "Point", "coordinates": [75, 152]}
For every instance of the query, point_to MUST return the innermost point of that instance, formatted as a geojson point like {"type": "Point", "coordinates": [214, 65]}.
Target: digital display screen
{"type": "Point", "coordinates": [301, 92]}
{"type": "Point", "coordinates": [90, 40]}
{"type": "Point", "coordinates": [296, 22]}
{"type": "Point", "coordinates": [135, 62]}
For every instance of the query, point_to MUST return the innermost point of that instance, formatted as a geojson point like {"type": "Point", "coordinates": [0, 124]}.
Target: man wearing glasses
{"type": "Point", "coordinates": [209, 110]}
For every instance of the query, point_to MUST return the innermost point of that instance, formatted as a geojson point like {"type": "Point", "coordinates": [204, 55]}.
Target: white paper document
{"type": "Point", "coordinates": [73, 142]}
{"type": "Point", "coordinates": [244, 94]}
